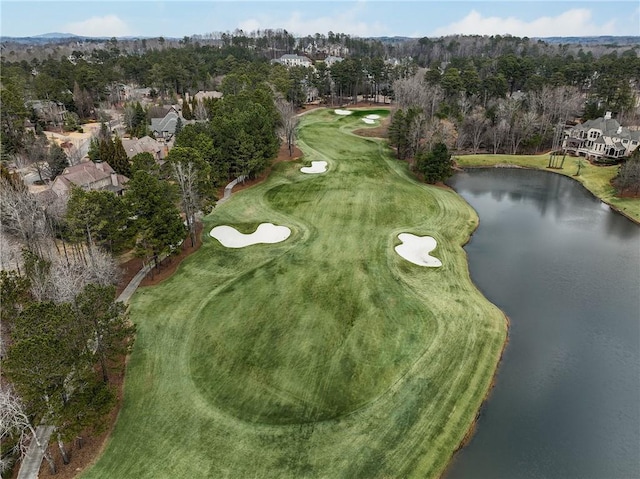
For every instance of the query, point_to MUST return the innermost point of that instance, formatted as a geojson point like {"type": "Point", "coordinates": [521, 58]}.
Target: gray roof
{"type": "Point", "coordinates": [168, 123]}
{"type": "Point", "coordinates": [609, 127]}
{"type": "Point", "coordinates": [293, 56]}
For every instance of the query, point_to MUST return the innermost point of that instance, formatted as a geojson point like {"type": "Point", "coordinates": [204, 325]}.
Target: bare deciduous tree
{"type": "Point", "coordinates": [200, 112]}
{"type": "Point", "coordinates": [75, 154]}
{"type": "Point", "coordinates": [69, 276]}
{"type": "Point", "coordinates": [475, 125]}
{"type": "Point", "coordinates": [289, 122]}
{"type": "Point", "coordinates": [523, 126]}
{"type": "Point", "coordinates": [22, 217]}
{"type": "Point", "coordinates": [414, 92]}
{"type": "Point", "coordinates": [15, 424]}
{"type": "Point", "coordinates": [36, 155]}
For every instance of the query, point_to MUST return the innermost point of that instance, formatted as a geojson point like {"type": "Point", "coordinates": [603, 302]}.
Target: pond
{"type": "Point", "coordinates": [565, 269]}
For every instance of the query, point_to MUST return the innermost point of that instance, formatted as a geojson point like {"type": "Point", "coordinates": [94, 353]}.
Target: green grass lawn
{"type": "Point", "coordinates": [596, 179]}
{"type": "Point", "coordinates": [324, 356]}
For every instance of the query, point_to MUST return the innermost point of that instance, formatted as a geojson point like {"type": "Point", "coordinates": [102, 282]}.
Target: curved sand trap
{"type": "Point", "coordinates": [265, 233]}
{"type": "Point", "coordinates": [416, 249]}
{"type": "Point", "coordinates": [373, 117]}
{"type": "Point", "coordinates": [343, 112]}
{"type": "Point", "coordinates": [316, 167]}
{"type": "Point", "coordinates": [368, 121]}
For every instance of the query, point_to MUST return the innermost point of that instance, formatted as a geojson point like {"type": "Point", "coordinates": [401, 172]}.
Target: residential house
{"type": "Point", "coordinates": [165, 127]}
{"type": "Point", "coordinates": [50, 112]}
{"type": "Point", "coordinates": [146, 144]}
{"type": "Point", "coordinates": [292, 60]}
{"type": "Point", "coordinates": [601, 139]}
{"type": "Point", "coordinates": [89, 176]}
{"type": "Point", "coordinates": [332, 60]}
{"type": "Point", "coordinates": [143, 95]}
{"type": "Point", "coordinates": [201, 95]}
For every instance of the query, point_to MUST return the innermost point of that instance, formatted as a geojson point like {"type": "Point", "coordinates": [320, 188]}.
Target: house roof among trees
{"type": "Point", "coordinates": [146, 144]}
{"type": "Point", "coordinates": [89, 173]}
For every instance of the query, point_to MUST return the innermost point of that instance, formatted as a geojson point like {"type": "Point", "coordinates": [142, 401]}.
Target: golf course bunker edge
{"type": "Point", "coordinates": [416, 249]}
{"type": "Point", "coordinates": [316, 167]}
{"type": "Point", "coordinates": [230, 237]}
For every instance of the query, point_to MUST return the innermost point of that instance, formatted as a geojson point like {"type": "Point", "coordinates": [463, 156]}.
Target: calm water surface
{"type": "Point", "coordinates": [566, 270]}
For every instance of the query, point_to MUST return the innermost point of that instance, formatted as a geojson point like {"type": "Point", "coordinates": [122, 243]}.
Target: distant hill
{"type": "Point", "coordinates": [55, 35]}
{"type": "Point", "coordinates": [56, 38]}
{"type": "Point", "coordinates": [601, 40]}
{"type": "Point", "coordinates": [45, 39]}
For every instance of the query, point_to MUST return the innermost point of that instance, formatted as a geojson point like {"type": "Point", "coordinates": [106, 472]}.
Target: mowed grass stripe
{"type": "Point", "coordinates": [327, 355]}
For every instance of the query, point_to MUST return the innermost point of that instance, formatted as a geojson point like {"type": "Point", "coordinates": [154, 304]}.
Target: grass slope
{"type": "Point", "coordinates": [596, 179]}
{"type": "Point", "coordinates": [325, 356]}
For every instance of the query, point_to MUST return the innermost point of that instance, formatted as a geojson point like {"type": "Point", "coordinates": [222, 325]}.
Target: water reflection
{"type": "Point", "coordinates": [567, 273]}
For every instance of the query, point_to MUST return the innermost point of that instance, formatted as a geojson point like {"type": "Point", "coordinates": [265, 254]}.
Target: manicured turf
{"type": "Point", "coordinates": [324, 356]}
{"type": "Point", "coordinates": [596, 179]}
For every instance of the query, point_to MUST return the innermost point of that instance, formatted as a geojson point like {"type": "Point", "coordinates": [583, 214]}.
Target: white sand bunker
{"type": "Point", "coordinates": [372, 117]}
{"type": "Point", "coordinates": [416, 249]}
{"type": "Point", "coordinates": [343, 112]}
{"type": "Point", "coordinates": [316, 167]}
{"type": "Point", "coordinates": [265, 233]}
{"type": "Point", "coordinates": [368, 121]}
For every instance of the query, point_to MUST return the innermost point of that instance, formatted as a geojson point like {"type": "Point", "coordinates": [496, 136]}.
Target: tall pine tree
{"type": "Point", "coordinates": [120, 161]}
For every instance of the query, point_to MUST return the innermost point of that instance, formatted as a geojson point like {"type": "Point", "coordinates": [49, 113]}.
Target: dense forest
{"type": "Point", "coordinates": [470, 73]}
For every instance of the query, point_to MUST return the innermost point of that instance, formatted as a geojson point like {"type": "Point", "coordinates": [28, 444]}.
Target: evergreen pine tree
{"type": "Point", "coordinates": [186, 111]}
{"type": "Point", "coordinates": [120, 161]}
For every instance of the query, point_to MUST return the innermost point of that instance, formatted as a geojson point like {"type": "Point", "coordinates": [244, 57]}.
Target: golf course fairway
{"type": "Point", "coordinates": [326, 355]}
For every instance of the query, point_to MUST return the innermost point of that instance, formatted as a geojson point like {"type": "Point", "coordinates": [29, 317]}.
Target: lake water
{"type": "Point", "coordinates": [566, 271]}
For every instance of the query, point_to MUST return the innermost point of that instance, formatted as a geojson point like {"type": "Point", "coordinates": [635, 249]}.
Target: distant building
{"type": "Point", "coordinates": [332, 60]}
{"type": "Point", "coordinates": [602, 139]}
{"type": "Point", "coordinates": [201, 95]}
{"type": "Point", "coordinates": [292, 60]}
{"type": "Point", "coordinates": [131, 94]}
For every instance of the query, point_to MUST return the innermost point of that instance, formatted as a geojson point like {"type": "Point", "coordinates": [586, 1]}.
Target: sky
{"type": "Point", "coordinates": [360, 18]}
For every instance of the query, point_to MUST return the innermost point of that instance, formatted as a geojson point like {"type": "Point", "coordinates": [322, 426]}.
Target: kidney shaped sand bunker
{"type": "Point", "coordinates": [265, 233]}
{"type": "Point", "coordinates": [416, 249]}
{"type": "Point", "coordinates": [316, 167]}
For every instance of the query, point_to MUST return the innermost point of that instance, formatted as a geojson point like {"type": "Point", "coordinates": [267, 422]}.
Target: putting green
{"type": "Point", "coordinates": [327, 355]}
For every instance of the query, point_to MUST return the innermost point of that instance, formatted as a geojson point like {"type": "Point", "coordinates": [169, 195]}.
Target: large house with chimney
{"type": "Point", "coordinates": [89, 176]}
{"type": "Point", "coordinates": [602, 139]}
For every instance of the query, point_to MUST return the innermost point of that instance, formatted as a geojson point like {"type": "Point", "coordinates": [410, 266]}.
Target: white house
{"type": "Point", "coordinates": [292, 60]}
{"type": "Point", "coordinates": [201, 95]}
{"type": "Point", "coordinates": [602, 139]}
{"type": "Point", "coordinates": [332, 60]}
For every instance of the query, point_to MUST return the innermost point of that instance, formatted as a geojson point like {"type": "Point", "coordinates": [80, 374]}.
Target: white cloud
{"type": "Point", "coordinates": [347, 21]}
{"type": "Point", "coordinates": [574, 22]}
{"type": "Point", "coordinates": [107, 26]}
